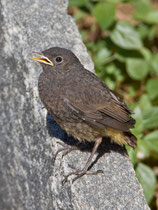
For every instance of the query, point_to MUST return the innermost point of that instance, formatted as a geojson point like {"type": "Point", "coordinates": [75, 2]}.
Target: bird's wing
{"type": "Point", "coordinates": [108, 111]}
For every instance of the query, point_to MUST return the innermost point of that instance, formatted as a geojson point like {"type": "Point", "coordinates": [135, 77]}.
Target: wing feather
{"type": "Point", "coordinates": [96, 104]}
{"type": "Point", "coordinates": [109, 115]}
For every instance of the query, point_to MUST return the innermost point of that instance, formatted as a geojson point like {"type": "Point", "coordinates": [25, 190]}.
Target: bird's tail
{"type": "Point", "coordinates": [130, 139]}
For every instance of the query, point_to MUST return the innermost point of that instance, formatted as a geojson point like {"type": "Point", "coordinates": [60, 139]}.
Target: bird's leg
{"type": "Point", "coordinates": [80, 173]}
{"type": "Point", "coordinates": [66, 148]}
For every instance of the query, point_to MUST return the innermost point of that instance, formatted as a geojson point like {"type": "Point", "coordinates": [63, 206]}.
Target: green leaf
{"type": "Point", "coordinates": [152, 32]}
{"type": "Point", "coordinates": [132, 154]}
{"type": "Point", "coordinates": [132, 92]}
{"type": "Point", "coordinates": [145, 102]}
{"type": "Point", "coordinates": [147, 180]}
{"type": "Point", "coordinates": [150, 118]}
{"type": "Point", "coordinates": [79, 15]}
{"type": "Point", "coordinates": [115, 1]}
{"type": "Point", "coordinates": [97, 46]}
{"type": "Point", "coordinates": [137, 130]}
{"type": "Point", "coordinates": [151, 140]}
{"type": "Point", "coordinates": [138, 5]}
{"type": "Point", "coordinates": [137, 68]}
{"type": "Point", "coordinates": [152, 17]}
{"type": "Point", "coordinates": [83, 34]}
{"type": "Point", "coordinates": [86, 4]}
{"type": "Point", "coordinates": [152, 88]}
{"type": "Point", "coordinates": [122, 54]}
{"type": "Point", "coordinates": [146, 53]}
{"type": "Point", "coordinates": [147, 14]}
{"type": "Point", "coordinates": [105, 14]}
{"type": "Point", "coordinates": [143, 30]}
{"type": "Point", "coordinates": [147, 31]}
{"type": "Point", "coordinates": [154, 63]}
{"type": "Point", "coordinates": [77, 3]}
{"type": "Point", "coordinates": [102, 55]}
{"type": "Point", "coordinates": [125, 36]}
{"type": "Point", "coordinates": [143, 150]}
{"type": "Point", "coordinates": [110, 83]}
{"type": "Point", "coordinates": [112, 74]}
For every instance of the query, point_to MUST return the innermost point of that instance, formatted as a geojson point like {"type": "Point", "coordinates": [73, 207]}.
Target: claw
{"type": "Point", "coordinates": [65, 147]}
{"type": "Point", "coordinates": [79, 174]}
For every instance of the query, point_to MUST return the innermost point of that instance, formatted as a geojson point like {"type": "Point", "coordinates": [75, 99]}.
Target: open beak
{"type": "Point", "coordinates": [42, 59]}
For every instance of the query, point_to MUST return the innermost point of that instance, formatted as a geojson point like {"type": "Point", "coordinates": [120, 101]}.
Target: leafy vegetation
{"type": "Point", "coordinates": [122, 38]}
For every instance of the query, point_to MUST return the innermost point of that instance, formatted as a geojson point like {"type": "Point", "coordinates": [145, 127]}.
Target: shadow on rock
{"type": "Point", "coordinates": [106, 146]}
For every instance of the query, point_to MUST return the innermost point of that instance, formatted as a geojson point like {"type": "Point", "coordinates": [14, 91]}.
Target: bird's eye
{"type": "Point", "coordinates": [59, 59]}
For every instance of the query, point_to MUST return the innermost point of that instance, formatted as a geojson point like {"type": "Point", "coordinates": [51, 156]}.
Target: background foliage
{"type": "Point", "coordinates": [122, 38]}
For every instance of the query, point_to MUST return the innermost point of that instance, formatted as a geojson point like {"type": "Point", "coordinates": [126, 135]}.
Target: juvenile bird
{"type": "Point", "coordinates": [81, 103]}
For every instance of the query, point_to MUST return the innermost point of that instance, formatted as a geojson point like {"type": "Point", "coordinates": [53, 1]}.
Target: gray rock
{"type": "Point", "coordinates": [28, 180]}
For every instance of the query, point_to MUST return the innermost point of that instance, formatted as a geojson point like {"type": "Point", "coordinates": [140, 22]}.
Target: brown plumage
{"type": "Point", "coordinates": [80, 102]}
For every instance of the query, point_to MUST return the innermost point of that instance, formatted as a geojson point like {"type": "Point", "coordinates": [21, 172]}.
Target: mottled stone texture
{"type": "Point", "coordinates": [28, 138]}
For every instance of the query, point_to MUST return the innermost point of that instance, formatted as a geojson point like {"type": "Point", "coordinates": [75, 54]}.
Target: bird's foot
{"type": "Point", "coordinates": [66, 148]}
{"type": "Point", "coordinates": [79, 174]}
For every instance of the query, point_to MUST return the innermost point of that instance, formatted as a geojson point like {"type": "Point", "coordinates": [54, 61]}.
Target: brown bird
{"type": "Point", "coordinates": [81, 103]}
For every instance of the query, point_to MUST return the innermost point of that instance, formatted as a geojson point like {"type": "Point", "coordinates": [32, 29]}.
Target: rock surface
{"type": "Point", "coordinates": [28, 138]}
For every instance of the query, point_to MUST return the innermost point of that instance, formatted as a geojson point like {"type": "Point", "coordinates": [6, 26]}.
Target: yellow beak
{"type": "Point", "coordinates": [43, 59]}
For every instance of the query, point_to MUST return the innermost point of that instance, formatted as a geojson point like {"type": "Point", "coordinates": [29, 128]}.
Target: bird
{"type": "Point", "coordinates": [81, 103]}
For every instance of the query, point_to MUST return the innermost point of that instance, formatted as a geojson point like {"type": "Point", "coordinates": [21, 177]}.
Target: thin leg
{"type": "Point", "coordinates": [66, 148]}
{"type": "Point", "coordinates": [82, 172]}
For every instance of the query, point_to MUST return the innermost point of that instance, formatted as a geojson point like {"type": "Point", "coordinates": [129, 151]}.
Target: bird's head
{"type": "Point", "coordinates": [56, 58]}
